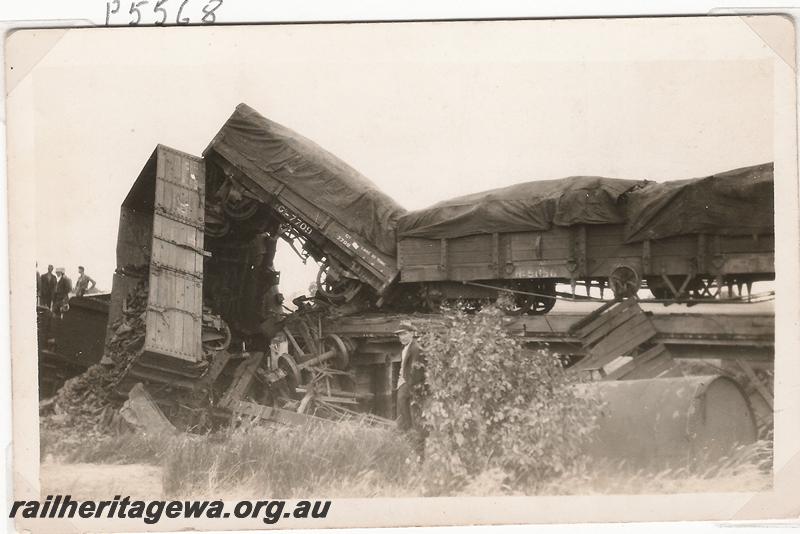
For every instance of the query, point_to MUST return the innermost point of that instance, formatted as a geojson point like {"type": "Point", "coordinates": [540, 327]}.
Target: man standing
{"type": "Point", "coordinates": [63, 288]}
{"type": "Point", "coordinates": [412, 376]}
{"type": "Point", "coordinates": [47, 288]}
{"type": "Point", "coordinates": [82, 284]}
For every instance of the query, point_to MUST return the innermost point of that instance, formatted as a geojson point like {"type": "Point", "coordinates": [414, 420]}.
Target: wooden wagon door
{"type": "Point", "coordinates": [175, 304]}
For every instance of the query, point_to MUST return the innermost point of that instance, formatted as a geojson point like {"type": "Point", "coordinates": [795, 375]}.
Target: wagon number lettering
{"type": "Point", "coordinates": [294, 220]}
{"type": "Point", "coordinates": [345, 239]}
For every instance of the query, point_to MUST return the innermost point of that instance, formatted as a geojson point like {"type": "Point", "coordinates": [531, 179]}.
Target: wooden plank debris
{"type": "Point", "coordinates": [613, 331]}
{"type": "Point", "coordinates": [242, 378]}
{"type": "Point", "coordinates": [275, 415]}
{"type": "Point", "coordinates": [141, 411]}
{"type": "Point", "coordinates": [648, 364]}
{"type": "Point", "coordinates": [218, 363]}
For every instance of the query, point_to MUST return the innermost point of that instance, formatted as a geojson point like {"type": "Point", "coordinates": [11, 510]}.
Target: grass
{"type": "Point", "coordinates": [748, 468]}
{"type": "Point", "coordinates": [342, 460]}
{"type": "Point", "coordinates": [353, 460]}
{"type": "Point", "coordinates": [96, 447]}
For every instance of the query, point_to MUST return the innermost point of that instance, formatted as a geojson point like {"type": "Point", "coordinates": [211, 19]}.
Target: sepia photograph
{"type": "Point", "coordinates": [532, 260]}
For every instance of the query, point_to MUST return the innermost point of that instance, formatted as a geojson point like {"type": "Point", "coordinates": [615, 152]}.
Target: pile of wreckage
{"type": "Point", "coordinates": [90, 404]}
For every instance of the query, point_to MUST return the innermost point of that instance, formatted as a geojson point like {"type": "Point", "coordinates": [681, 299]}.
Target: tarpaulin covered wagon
{"type": "Point", "coordinates": [336, 215]}
{"type": "Point", "coordinates": [685, 239]}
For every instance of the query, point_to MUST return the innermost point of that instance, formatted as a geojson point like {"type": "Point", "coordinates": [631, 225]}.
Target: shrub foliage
{"type": "Point", "coordinates": [490, 404]}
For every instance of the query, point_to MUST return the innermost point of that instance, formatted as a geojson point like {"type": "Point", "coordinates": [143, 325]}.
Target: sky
{"type": "Point", "coordinates": [427, 111]}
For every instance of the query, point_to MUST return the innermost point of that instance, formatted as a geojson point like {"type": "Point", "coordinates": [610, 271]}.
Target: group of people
{"type": "Point", "coordinates": [53, 290]}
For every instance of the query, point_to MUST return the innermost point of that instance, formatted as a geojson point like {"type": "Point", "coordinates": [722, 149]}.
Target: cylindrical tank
{"type": "Point", "coordinates": [670, 422]}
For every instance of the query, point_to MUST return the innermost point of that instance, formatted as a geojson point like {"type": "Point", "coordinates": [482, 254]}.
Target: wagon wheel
{"type": "Point", "coordinates": [342, 347]}
{"type": "Point", "coordinates": [316, 370]}
{"type": "Point", "coordinates": [287, 364]}
{"type": "Point", "coordinates": [624, 282]}
{"type": "Point", "coordinates": [540, 305]}
{"type": "Point", "coordinates": [239, 207]}
{"type": "Point", "coordinates": [216, 224]}
{"type": "Point", "coordinates": [535, 304]}
{"type": "Point", "coordinates": [216, 337]}
{"type": "Point", "coordinates": [333, 286]}
{"type": "Point", "coordinates": [659, 289]}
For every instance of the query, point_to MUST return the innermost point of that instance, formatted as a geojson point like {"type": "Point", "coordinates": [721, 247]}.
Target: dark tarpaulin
{"type": "Point", "coordinates": [263, 148]}
{"type": "Point", "coordinates": [531, 206]}
{"type": "Point", "coordinates": [737, 202]}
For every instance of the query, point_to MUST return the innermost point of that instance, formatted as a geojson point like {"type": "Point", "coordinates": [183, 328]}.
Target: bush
{"type": "Point", "coordinates": [489, 403]}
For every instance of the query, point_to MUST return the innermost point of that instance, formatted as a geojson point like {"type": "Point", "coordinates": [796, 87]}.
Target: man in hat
{"type": "Point", "coordinates": [412, 376]}
{"type": "Point", "coordinates": [63, 289]}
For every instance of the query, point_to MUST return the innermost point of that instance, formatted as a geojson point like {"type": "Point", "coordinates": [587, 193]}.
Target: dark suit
{"type": "Point", "coordinates": [414, 375]}
{"type": "Point", "coordinates": [47, 289]}
{"type": "Point", "coordinates": [63, 287]}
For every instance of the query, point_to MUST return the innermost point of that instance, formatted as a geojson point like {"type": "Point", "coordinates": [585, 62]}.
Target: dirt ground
{"type": "Point", "coordinates": [101, 481]}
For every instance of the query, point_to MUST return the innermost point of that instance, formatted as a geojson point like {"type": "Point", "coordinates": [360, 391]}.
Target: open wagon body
{"type": "Point", "coordinates": [684, 239]}
{"type": "Point", "coordinates": [584, 252]}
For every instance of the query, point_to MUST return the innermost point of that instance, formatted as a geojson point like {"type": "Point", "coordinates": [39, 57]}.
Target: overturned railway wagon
{"type": "Point", "coordinates": [265, 174]}
{"type": "Point", "coordinates": [195, 272]}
